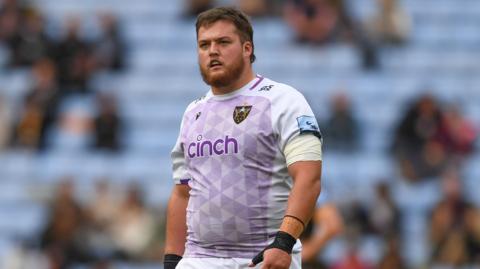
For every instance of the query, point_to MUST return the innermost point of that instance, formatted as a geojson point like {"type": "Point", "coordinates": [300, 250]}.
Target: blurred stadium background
{"type": "Point", "coordinates": [92, 93]}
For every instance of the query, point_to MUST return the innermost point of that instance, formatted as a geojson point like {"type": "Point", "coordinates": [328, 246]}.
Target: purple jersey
{"type": "Point", "coordinates": [230, 153]}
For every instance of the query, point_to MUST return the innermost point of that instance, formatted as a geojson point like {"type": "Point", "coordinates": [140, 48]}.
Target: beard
{"type": "Point", "coordinates": [228, 75]}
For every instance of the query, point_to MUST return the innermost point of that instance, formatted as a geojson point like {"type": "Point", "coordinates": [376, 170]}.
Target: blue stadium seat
{"type": "Point", "coordinates": [417, 197]}
{"type": "Point", "coordinates": [22, 220]}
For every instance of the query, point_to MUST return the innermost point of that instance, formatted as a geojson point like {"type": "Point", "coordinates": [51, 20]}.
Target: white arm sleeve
{"type": "Point", "coordinates": [303, 148]}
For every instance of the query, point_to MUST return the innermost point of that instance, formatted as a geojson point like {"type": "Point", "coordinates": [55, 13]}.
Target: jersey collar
{"type": "Point", "coordinates": [252, 84]}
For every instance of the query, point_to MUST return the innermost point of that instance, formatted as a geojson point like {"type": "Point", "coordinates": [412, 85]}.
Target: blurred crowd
{"type": "Point", "coordinates": [62, 65]}
{"type": "Point", "coordinates": [63, 62]}
{"type": "Point", "coordinates": [432, 137]}
{"type": "Point", "coordinates": [429, 138]}
{"type": "Point", "coordinates": [431, 141]}
{"type": "Point", "coordinates": [113, 224]}
{"type": "Point", "coordinates": [323, 22]}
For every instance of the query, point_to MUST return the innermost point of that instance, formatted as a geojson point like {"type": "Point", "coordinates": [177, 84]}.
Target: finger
{"type": "Point", "coordinates": [257, 259]}
{"type": "Point", "coordinates": [267, 265]}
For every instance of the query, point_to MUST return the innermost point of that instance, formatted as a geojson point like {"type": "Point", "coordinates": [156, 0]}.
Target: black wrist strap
{"type": "Point", "coordinates": [170, 261]}
{"type": "Point", "coordinates": [283, 241]}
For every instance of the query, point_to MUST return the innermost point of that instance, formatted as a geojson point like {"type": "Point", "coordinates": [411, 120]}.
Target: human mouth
{"type": "Point", "coordinates": [214, 64]}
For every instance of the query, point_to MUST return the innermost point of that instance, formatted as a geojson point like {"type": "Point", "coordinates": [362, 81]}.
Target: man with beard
{"type": "Point", "coordinates": [247, 162]}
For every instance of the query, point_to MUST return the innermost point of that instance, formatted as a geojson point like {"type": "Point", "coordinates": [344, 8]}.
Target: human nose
{"type": "Point", "coordinates": [213, 49]}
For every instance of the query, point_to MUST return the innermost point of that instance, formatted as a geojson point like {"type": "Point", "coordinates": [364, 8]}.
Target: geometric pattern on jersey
{"type": "Point", "coordinates": [227, 210]}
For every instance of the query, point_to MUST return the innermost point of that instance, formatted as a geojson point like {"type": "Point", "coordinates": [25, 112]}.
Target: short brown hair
{"type": "Point", "coordinates": [233, 15]}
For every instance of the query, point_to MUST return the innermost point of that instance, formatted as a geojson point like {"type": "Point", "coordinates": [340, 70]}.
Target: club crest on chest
{"type": "Point", "coordinates": [241, 113]}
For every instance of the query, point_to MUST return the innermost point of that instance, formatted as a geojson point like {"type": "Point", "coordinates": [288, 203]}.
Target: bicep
{"type": "Point", "coordinates": [305, 170]}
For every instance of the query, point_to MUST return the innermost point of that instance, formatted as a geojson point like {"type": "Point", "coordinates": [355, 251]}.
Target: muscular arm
{"type": "Point", "coordinates": [301, 203]}
{"type": "Point", "coordinates": [176, 233]}
{"type": "Point", "coordinates": [303, 197]}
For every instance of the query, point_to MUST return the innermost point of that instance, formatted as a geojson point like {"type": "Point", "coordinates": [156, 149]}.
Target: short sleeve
{"type": "Point", "coordinates": [293, 117]}
{"type": "Point", "coordinates": [179, 168]}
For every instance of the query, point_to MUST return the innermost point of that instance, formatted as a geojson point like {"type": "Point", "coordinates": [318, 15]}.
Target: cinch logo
{"type": "Point", "coordinates": [208, 148]}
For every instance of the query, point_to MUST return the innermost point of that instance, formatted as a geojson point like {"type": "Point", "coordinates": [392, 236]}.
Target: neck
{"type": "Point", "coordinates": [246, 76]}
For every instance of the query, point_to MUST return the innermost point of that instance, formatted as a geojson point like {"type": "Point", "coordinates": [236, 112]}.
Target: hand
{"type": "Point", "coordinates": [275, 258]}
{"type": "Point", "coordinates": [282, 243]}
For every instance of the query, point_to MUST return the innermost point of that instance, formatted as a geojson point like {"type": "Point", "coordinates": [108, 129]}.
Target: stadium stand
{"type": "Point", "coordinates": [161, 78]}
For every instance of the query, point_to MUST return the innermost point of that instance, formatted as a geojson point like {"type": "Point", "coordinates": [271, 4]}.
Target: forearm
{"type": "Point", "coordinates": [301, 205]}
{"type": "Point", "coordinates": [176, 232]}
{"type": "Point", "coordinates": [303, 197]}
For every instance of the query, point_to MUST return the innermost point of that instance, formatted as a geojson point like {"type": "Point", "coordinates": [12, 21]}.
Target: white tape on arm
{"type": "Point", "coordinates": [305, 147]}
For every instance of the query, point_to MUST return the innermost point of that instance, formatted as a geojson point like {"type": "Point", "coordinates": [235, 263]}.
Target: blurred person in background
{"type": "Point", "coordinates": [40, 107]}
{"type": "Point", "coordinates": [351, 258]}
{"type": "Point", "coordinates": [133, 229]}
{"type": "Point", "coordinates": [107, 124]}
{"type": "Point", "coordinates": [414, 146]}
{"type": "Point", "coordinates": [19, 7]}
{"type": "Point", "coordinates": [341, 126]}
{"type": "Point", "coordinates": [73, 130]}
{"type": "Point", "coordinates": [328, 21]}
{"type": "Point", "coordinates": [325, 224]}
{"type": "Point", "coordinates": [380, 220]}
{"type": "Point", "coordinates": [9, 26]}
{"type": "Point", "coordinates": [392, 258]}
{"type": "Point", "coordinates": [428, 138]}
{"type": "Point", "coordinates": [103, 206]}
{"type": "Point", "coordinates": [261, 8]}
{"type": "Point", "coordinates": [110, 47]}
{"type": "Point", "coordinates": [14, 28]}
{"type": "Point", "coordinates": [357, 216]}
{"type": "Point", "coordinates": [254, 8]}
{"type": "Point", "coordinates": [456, 134]}
{"type": "Point", "coordinates": [455, 226]}
{"type": "Point", "coordinates": [75, 59]}
{"type": "Point", "coordinates": [31, 43]}
{"type": "Point", "coordinates": [384, 216]}
{"type": "Point", "coordinates": [5, 123]}
{"type": "Point", "coordinates": [61, 239]}
{"type": "Point", "coordinates": [100, 215]}
{"type": "Point", "coordinates": [195, 7]}
{"type": "Point", "coordinates": [391, 24]}
{"type": "Point", "coordinates": [318, 21]}
{"type": "Point", "coordinates": [23, 256]}
{"type": "Point", "coordinates": [29, 130]}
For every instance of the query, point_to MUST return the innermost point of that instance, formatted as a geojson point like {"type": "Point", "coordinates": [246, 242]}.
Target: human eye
{"type": "Point", "coordinates": [225, 41]}
{"type": "Point", "coordinates": [203, 45]}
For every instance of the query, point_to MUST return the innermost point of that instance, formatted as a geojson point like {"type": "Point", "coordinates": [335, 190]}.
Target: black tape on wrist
{"type": "Point", "coordinates": [283, 241]}
{"type": "Point", "coordinates": [170, 261]}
